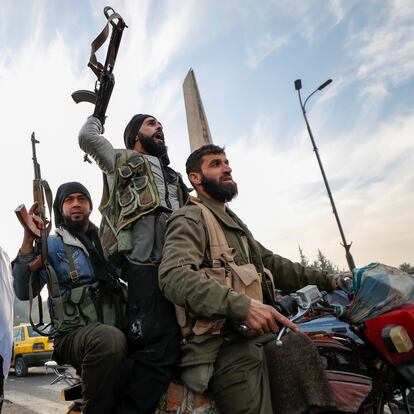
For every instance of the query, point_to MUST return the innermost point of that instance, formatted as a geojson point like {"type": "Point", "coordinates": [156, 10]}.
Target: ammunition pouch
{"type": "Point", "coordinates": [92, 303]}
{"type": "Point", "coordinates": [133, 194]}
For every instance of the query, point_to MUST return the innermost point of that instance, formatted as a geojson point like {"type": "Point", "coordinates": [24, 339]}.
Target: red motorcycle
{"type": "Point", "coordinates": [368, 357]}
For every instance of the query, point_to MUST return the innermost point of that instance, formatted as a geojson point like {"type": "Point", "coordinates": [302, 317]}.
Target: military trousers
{"type": "Point", "coordinates": [97, 352]}
{"type": "Point", "coordinates": [240, 383]}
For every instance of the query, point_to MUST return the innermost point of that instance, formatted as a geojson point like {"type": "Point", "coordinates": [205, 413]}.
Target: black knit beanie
{"type": "Point", "coordinates": [132, 129]}
{"type": "Point", "coordinates": [64, 191]}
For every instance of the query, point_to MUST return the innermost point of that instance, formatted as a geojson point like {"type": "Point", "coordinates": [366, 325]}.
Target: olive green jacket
{"type": "Point", "coordinates": [186, 252]}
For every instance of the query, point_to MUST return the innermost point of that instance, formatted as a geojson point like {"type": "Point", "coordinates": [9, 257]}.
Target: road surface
{"type": "Point", "coordinates": [33, 394]}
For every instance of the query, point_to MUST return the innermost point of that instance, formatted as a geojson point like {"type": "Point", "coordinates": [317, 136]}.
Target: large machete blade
{"type": "Point", "coordinates": [198, 130]}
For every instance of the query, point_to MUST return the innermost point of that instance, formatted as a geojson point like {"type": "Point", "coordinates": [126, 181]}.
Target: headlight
{"type": "Point", "coordinates": [396, 339]}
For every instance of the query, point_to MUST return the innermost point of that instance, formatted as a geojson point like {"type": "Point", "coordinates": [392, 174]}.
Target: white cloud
{"type": "Point", "coordinates": [289, 19]}
{"type": "Point", "coordinates": [283, 201]}
{"type": "Point", "coordinates": [264, 47]}
{"type": "Point", "coordinates": [383, 48]}
{"type": "Point", "coordinates": [282, 197]}
{"type": "Point", "coordinates": [36, 82]}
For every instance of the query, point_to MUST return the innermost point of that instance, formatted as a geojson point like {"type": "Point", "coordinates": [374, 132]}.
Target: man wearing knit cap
{"type": "Point", "coordinates": [140, 193]}
{"type": "Point", "coordinates": [89, 337]}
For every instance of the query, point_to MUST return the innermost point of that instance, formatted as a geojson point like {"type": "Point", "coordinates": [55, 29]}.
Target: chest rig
{"type": "Point", "coordinates": [243, 279]}
{"type": "Point", "coordinates": [84, 304]}
{"type": "Point", "coordinates": [133, 194]}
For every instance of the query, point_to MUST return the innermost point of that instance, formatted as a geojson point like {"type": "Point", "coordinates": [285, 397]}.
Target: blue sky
{"type": "Point", "coordinates": [246, 56]}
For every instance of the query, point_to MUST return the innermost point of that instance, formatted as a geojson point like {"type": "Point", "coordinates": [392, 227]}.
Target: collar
{"type": "Point", "coordinates": [164, 159]}
{"type": "Point", "coordinates": [221, 215]}
{"type": "Point", "coordinates": [70, 240]}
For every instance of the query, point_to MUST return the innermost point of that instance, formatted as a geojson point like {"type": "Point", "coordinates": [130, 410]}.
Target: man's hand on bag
{"type": "Point", "coordinates": [263, 319]}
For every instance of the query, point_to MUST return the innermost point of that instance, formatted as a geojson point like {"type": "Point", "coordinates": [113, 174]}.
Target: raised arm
{"type": "Point", "coordinates": [96, 145]}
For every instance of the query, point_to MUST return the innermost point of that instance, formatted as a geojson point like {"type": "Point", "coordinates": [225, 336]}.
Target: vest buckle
{"type": "Point", "coordinates": [74, 275]}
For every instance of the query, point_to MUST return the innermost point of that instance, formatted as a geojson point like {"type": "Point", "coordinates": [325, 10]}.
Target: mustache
{"type": "Point", "coordinates": [159, 135]}
{"type": "Point", "coordinates": [225, 175]}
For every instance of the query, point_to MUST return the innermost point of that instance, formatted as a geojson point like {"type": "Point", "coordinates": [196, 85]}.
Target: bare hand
{"type": "Point", "coordinates": [28, 238]}
{"type": "Point", "coordinates": [263, 319]}
{"type": "Point", "coordinates": [36, 219]}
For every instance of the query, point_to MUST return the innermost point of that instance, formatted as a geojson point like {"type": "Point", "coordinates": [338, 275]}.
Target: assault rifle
{"type": "Point", "coordinates": [41, 195]}
{"type": "Point", "coordinates": [105, 78]}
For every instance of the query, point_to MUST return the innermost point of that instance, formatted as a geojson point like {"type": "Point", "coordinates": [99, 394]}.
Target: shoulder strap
{"type": "Point", "coordinates": [108, 193]}
{"type": "Point", "coordinates": [216, 237]}
{"type": "Point", "coordinates": [74, 274]}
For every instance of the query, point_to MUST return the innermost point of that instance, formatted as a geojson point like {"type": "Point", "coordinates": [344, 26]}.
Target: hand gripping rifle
{"type": "Point", "coordinates": [105, 78]}
{"type": "Point", "coordinates": [41, 195]}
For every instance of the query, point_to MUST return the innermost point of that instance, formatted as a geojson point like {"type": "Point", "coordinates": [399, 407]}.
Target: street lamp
{"type": "Point", "coordinates": [298, 87]}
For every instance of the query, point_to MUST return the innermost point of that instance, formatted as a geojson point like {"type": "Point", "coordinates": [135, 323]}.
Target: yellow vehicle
{"type": "Point", "coordinates": [29, 349]}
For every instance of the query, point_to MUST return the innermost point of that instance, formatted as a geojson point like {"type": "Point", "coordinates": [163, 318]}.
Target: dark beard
{"type": "Point", "coordinates": [151, 146]}
{"type": "Point", "coordinates": [75, 226]}
{"type": "Point", "coordinates": [220, 191]}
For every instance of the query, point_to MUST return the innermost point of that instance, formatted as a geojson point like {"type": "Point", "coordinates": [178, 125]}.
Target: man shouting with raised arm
{"type": "Point", "coordinates": [140, 193]}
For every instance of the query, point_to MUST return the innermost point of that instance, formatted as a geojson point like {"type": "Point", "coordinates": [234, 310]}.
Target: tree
{"type": "Point", "coordinates": [303, 259]}
{"type": "Point", "coordinates": [321, 263]}
{"type": "Point", "coordinates": [405, 267]}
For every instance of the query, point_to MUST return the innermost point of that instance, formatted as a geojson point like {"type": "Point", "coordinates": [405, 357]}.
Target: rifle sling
{"type": "Point", "coordinates": [56, 306]}
{"type": "Point", "coordinates": [31, 303]}
{"type": "Point", "coordinates": [96, 66]}
{"type": "Point", "coordinates": [49, 201]}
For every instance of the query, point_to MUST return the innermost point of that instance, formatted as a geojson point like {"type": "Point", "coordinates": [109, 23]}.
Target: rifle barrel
{"type": "Point", "coordinates": [36, 166]}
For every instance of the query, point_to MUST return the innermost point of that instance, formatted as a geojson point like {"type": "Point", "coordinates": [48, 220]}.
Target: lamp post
{"type": "Point", "coordinates": [347, 247]}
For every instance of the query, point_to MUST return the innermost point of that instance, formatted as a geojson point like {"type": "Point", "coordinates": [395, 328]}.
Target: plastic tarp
{"type": "Point", "coordinates": [378, 288]}
{"type": "Point", "coordinates": [6, 311]}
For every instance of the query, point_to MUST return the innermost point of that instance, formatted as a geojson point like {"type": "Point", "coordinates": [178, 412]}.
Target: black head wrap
{"type": "Point", "coordinates": [132, 129]}
{"type": "Point", "coordinates": [64, 191]}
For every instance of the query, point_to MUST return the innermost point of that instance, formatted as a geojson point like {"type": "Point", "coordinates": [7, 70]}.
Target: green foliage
{"type": "Point", "coordinates": [405, 267]}
{"type": "Point", "coordinates": [303, 259]}
{"type": "Point", "coordinates": [321, 263]}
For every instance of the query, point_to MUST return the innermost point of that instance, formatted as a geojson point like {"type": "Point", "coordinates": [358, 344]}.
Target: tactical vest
{"type": "Point", "coordinates": [90, 303]}
{"type": "Point", "coordinates": [132, 195]}
{"type": "Point", "coordinates": [243, 279]}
